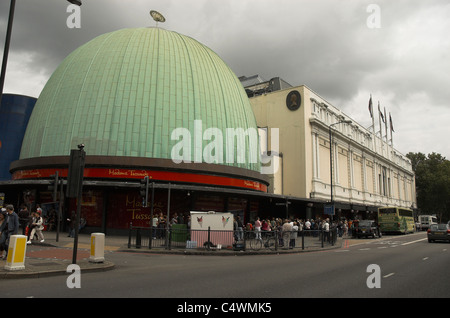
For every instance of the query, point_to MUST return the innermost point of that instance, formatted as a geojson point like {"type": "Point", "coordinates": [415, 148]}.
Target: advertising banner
{"type": "Point", "coordinates": [220, 225]}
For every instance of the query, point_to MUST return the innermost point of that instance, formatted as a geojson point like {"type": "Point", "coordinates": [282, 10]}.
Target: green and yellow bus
{"type": "Point", "coordinates": [396, 220]}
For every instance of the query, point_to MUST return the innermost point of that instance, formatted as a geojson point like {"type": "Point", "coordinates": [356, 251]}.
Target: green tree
{"type": "Point", "coordinates": [432, 183]}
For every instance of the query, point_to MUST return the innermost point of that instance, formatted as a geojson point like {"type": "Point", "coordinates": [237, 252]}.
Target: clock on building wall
{"type": "Point", "coordinates": [293, 100]}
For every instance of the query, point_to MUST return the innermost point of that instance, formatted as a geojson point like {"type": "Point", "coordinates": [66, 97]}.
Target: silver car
{"type": "Point", "coordinates": [439, 232]}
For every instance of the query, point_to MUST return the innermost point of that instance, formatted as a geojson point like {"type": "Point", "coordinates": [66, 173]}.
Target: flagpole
{"type": "Point", "coordinates": [385, 130]}
{"type": "Point", "coordinates": [374, 135]}
{"type": "Point", "coordinates": [381, 130]}
{"type": "Point", "coordinates": [373, 124]}
{"type": "Point", "coordinates": [385, 125]}
{"type": "Point", "coordinates": [391, 126]}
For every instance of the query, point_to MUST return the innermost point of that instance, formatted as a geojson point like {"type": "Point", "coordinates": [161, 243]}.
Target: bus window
{"type": "Point", "coordinates": [387, 210]}
{"type": "Point", "coordinates": [403, 212]}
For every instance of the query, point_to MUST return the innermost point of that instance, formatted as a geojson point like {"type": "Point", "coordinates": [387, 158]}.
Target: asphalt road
{"type": "Point", "coordinates": [409, 267]}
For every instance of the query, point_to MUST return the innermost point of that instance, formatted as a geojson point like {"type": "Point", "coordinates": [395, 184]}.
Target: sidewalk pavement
{"type": "Point", "coordinates": [52, 257]}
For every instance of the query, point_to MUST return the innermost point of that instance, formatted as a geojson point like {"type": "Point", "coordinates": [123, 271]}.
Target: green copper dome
{"type": "Point", "coordinates": [124, 92]}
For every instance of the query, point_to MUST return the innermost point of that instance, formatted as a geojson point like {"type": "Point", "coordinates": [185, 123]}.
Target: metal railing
{"type": "Point", "coordinates": [183, 238]}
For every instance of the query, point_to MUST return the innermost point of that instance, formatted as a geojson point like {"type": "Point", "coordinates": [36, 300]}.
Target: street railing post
{"type": "Point", "coordinates": [303, 239]}
{"type": "Point", "coordinates": [129, 235]}
{"type": "Point", "coordinates": [138, 238]}
{"type": "Point", "coordinates": [276, 240]}
{"type": "Point", "coordinates": [323, 234]}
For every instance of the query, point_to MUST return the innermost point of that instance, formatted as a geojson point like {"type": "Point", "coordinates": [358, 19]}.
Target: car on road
{"type": "Point", "coordinates": [367, 228]}
{"type": "Point", "coordinates": [439, 232]}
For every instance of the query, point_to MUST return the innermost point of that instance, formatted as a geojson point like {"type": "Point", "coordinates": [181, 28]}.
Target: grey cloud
{"type": "Point", "coordinates": [324, 44]}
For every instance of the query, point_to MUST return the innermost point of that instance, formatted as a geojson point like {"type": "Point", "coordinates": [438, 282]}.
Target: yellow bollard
{"type": "Point", "coordinates": [16, 253]}
{"type": "Point", "coordinates": [97, 248]}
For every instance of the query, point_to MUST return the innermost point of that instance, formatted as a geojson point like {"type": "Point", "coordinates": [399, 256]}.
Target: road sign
{"type": "Point", "coordinates": [329, 209]}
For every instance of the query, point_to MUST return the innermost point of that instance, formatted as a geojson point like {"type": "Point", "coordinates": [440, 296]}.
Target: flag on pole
{"type": "Point", "coordinates": [381, 114]}
{"type": "Point", "coordinates": [373, 123]}
{"type": "Point", "coordinates": [380, 119]}
{"type": "Point", "coordinates": [390, 123]}
{"type": "Point", "coordinates": [385, 124]}
{"type": "Point", "coordinates": [392, 130]}
{"type": "Point", "coordinates": [370, 106]}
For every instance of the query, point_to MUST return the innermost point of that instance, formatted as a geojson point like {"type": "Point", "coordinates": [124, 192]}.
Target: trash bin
{"type": "Point", "coordinates": [179, 233]}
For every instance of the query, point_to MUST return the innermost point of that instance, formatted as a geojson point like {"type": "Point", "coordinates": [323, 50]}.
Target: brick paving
{"type": "Point", "coordinates": [52, 257]}
{"type": "Point", "coordinates": [55, 253]}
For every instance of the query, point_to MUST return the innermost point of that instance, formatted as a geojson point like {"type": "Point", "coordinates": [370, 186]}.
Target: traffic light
{"type": "Point", "coordinates": [54, 185]}
{"type": "Point", "coordinates": [76, 172]}
{"type": "Point", "coordinates": [144, 191]}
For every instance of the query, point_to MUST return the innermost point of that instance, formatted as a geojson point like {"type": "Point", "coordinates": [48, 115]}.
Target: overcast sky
{"type": "Point", "coordinates": [339, 49]}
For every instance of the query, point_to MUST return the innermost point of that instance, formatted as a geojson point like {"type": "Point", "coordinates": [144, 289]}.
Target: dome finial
{"type": "Point", "coordinates": [158, 17]}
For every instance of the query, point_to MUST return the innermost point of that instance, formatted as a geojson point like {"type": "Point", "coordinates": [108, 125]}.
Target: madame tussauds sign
{"type": "Point", "coordinates": [241, 146]}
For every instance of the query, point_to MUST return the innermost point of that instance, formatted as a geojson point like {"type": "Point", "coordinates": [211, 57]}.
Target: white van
{"type": "Point", "coordinates": [426, 220]}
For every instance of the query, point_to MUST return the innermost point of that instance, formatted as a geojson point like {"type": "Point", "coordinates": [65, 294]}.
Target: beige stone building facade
{"type": "Point", "coordinates": [367, 172]}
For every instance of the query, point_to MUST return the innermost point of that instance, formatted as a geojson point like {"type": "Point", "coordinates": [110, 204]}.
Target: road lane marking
{"type": "Point", "coordinates": [388, 275]}
{"type": "Point", "coordinates": [424, 259]}
{"type": "Point", "coordinates": [407, 243]}
{"type": "Point", "coordinates": [364, 249]}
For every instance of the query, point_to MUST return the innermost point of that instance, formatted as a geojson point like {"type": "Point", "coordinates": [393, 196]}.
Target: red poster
{"type": "Point", "coordinates": [91, 207]}
{"type": "Point", "coordinates": [126, 207]}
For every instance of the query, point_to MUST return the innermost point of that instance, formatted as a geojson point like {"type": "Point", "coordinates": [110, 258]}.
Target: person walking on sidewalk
{"type": "Point", "coordinates": [36, 227]}
{"type": "Point", "coordinates": [24, 218]}
{"type": "Point", "coordinates": [12, 228]}
{"type": "Point", "coordinates": [3, 231]}
{"type": "Point", "coordinates": [72, 220]}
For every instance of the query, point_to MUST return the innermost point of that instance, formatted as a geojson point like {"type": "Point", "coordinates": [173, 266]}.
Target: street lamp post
{"type": "Point", "coordinates": [8, 41]}
{"type": "Point", "coordinates": [331, 160]}
{"type": "Point", "coordinates": [6, 49]}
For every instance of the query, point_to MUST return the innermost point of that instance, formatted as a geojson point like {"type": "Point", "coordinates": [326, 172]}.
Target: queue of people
{"type": "Point", "coordinates": [290, 229]}
{"type": "Point", "coordinates": [159, 223]}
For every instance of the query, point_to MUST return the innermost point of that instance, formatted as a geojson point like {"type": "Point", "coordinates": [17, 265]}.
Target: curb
{"type": "Point", "coordinates": [224, 252]}
{"type": "Point", "coordinates": [60, 269]}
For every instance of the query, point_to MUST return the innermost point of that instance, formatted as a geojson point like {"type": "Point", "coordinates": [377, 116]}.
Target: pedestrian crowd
{"type": "Point", "coordinates": [290, 229]}
{"type": "Point", "coordinates": [11, 222]}
{"type": "Point", "coordinates": [159, 223]}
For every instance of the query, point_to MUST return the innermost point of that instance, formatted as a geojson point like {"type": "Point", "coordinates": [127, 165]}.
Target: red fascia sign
{"type": "Point", "coordinates": [170, 176]}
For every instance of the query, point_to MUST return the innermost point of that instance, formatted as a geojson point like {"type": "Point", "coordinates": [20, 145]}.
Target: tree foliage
{"type": "Point", "coordinates": [432, 184]}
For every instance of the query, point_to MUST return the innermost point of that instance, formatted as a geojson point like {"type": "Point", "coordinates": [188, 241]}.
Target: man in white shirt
{"type": "Point", "coordinates": [326, 230]}
{"type": "Point", "coordinates": [286, 233]}
{"type": "Point", "coordinates": [307, 224]}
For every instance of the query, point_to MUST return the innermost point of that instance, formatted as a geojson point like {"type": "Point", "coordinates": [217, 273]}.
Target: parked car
{"type": "Point", "coordinates": [439, 232]}
{"type": "Point", "coordinates": [367, 228]}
